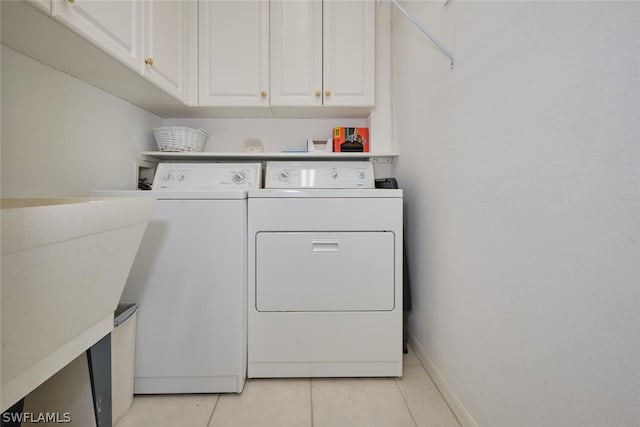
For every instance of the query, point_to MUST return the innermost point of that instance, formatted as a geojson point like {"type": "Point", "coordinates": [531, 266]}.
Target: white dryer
{"type": "Point", "coordinates": [189, 279]}
{"type": "Point", "coordinates": [325, 273]}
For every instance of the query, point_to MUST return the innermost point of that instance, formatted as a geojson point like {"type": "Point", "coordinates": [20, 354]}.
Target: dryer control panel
{"type": "Point", "coordinates": [207, 176]}
{"type": "Point", "coordinates": [319, 174]}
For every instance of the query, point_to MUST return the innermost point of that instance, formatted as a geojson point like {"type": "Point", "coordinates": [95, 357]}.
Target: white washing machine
{"type": "Point", "coordinates": [325, 273]}
{"type": "Point", "coordinates": [190, 279]}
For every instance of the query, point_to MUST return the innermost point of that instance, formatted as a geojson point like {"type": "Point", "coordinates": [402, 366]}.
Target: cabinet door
{"type": "Point", "coordinates": [114, 26]}
{"type": "Point", "coordinates": [296, 52]}
{"type": "Point", "coordinates": [349, 52]}
{"type": "Point", "coordinates": [165, 44]}
{"type": "Point", "coordinates": [234, 53]}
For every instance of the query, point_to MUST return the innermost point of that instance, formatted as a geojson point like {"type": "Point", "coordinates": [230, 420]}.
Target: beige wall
{"type": "Point", "coordinates": [64, 137]}
{"type": "Point", "coordinates": [522, 175]}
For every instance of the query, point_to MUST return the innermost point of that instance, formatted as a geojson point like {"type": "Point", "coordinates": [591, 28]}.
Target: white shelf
{"type": "Point", "coordinates": [156, 156]}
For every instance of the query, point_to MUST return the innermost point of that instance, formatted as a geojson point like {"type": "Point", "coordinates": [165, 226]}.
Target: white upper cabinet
{"type": "Point", "coordinates": [323, 53]}
{"type": "Point", "coordinates": [349, 53]}
{"type": "Point", "coordinates": [165, 44]}
{"type": "Point", "coordinates": [114, 26]}
{"type": "Point", "coordinates": [237, 53]}
{"type": "Point", "coordinates": [233, 53]}
{"type": "Point", "coordinates": [296, 53]}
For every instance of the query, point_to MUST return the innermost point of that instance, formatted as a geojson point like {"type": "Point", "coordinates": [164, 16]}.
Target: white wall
{"type": "Point", "coordinates": [64, 137]}
{"type": "Point", "coordinates": [522, 175]}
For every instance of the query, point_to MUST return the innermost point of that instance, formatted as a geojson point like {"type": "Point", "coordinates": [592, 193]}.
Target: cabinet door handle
{"type": "Point", "coordinates": [263, 94]}
{"type": "Point", "coordinates": [148, 61]}
{"type": "Point", "coordinates": [327, 92]}
{"type": "Point", "coordinates": [318, 93]}
{"type": "Point", "coordinates": [71, 1]}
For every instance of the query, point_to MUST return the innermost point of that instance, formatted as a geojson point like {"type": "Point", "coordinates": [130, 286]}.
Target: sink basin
{"type": "Point", "coordinates": [64, 265]}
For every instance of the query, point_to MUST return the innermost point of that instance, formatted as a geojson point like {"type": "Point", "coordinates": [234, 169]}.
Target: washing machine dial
{"type": "Point", "coordinates": [181, 177]}
{"type": "Point", "coordinates": [284, 175]}
{"type": "Point", "coordinates": [334, 174]}
{"type": "Point", "coordinates": [361, 175]}
{"type": "Point", "coordinates": [168, 177]}
{"type": "Point", "coordinates": [239, 177]}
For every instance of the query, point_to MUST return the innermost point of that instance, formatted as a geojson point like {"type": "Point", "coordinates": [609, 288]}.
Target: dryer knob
{"type": "Point", "coordinates": [361, 175]}
{"type": "Point", "coordinates": [168, 176]}
{"type": "Point", "coordinates": [334, 174]}
{"type": "Point", "coordinates": [239, 177]}
{"type": "Point", "coordinates": [284, 175]}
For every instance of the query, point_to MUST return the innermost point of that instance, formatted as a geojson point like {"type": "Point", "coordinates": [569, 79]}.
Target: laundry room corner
{"type": "Point", "coordinates": [337, 212]}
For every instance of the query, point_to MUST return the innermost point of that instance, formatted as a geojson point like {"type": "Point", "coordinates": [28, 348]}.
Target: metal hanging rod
{"type": "Point", "coordinates": [424, 31]}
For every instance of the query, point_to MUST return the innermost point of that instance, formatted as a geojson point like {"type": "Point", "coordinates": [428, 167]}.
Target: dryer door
{"type": "Point", "coordinates": [315, 271]}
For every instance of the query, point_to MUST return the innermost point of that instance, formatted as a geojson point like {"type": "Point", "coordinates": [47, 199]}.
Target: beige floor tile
{"type": "Point", "coordinates": [410, 358]}
{"type": "Point", "coordinates": [192, 410]}
{"type": "Point", "coordinates": [362, 402]}
{"type": "Point", "coordinates": [425, 401]}
{"type": "Point", "coordinates": [266, 402]}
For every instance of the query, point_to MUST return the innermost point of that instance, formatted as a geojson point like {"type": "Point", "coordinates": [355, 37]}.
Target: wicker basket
{"type": "Point", "coordinates": [178, 138]}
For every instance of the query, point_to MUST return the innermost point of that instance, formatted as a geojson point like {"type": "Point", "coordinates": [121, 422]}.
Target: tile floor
{"type": "Point", "coordinates": [412, 400]}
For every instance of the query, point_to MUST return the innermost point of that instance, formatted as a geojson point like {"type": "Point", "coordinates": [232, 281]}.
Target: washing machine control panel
{"type": "Point", "coordinates": [319, 174]}
{"type": "Point", "coordinates": [207, 176]}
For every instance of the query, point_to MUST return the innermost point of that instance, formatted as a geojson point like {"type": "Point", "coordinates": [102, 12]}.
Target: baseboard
{"type": "Point", "coordinates": [464, 417]}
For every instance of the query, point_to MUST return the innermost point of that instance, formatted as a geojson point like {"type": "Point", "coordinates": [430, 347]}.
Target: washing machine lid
{"type": "Point", "coordinates": [319, 174]}
{"type": "Point", "coordinates": [325, 193]}
{"type": "Point", "coordinates": [175, 195]}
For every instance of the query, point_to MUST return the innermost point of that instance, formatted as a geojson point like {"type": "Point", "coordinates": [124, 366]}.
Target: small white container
{"type": "Point", "coordinates": [320, 145]}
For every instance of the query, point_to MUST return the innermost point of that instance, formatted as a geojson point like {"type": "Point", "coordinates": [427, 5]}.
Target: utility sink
{"type": "Point", "coordinates": [64, 266]}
